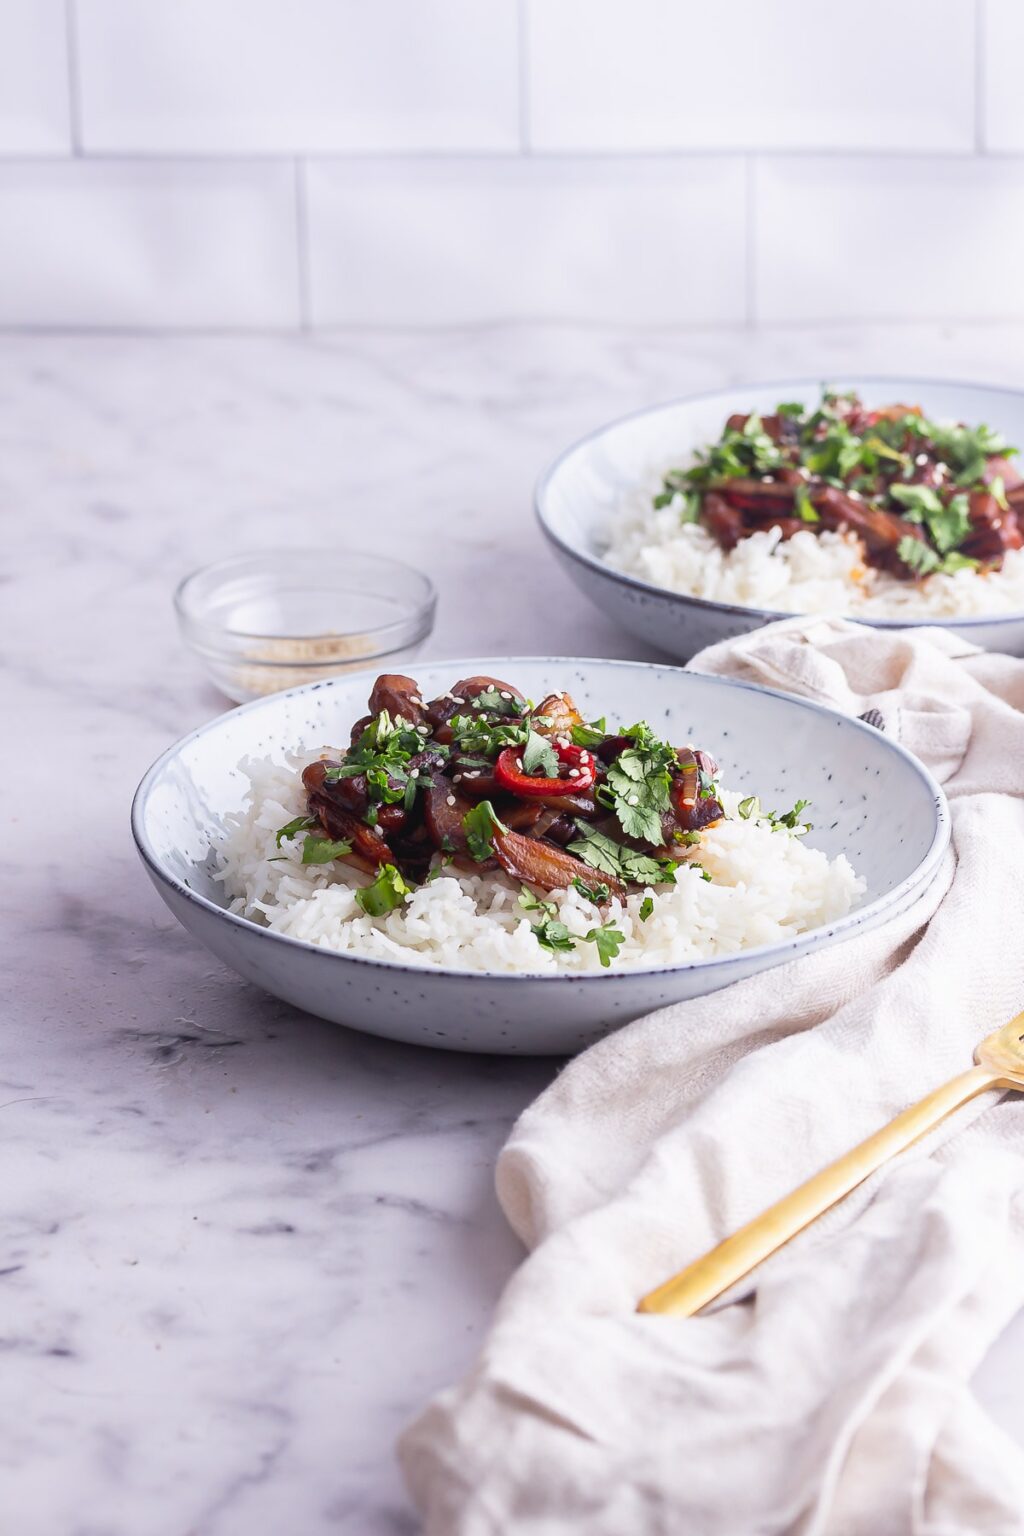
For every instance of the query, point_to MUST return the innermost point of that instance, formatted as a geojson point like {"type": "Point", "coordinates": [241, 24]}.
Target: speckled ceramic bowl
{"type": "Point", "coordinates": [580, 493]}
{"type": "Point", "coordinates": [767, 743]}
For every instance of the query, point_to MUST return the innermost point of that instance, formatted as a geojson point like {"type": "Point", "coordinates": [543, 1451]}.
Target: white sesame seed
{"type": "Point", "coordinates": [766, 479]}
{"type": "Point", "coordinates": [414, 773]}
{"type": "Point", "coordinates": [563, 741]}
{"type": "Point", "coordinates": [519, 764]}
{"type": "Point", "coordinates": [473, 773]}
{"type": "Point", "coordinates": [455, 698]}
{"type": "Point", "coordinates": [456, 778]}
{"type": "Point", "coordinates": [400, 720]}
{"type": "Point", "coordinates": [633, 800]}
{"type": "Point", "coordinates": [451, 799]}
{"type": "Point", "coordinates": [574, 773]}
{"type": "Point", "coordinates": [379, 831]}
{"type": "Point", "coordinates": [855, 495]}
{"type": "Point", "coordinates": [922, 458]}
{"type": "Point", "coordinates": [505, 694]}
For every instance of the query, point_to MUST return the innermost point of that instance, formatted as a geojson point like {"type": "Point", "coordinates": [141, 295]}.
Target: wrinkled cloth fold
{"type": "Point", "coordinates": [829, 1393]}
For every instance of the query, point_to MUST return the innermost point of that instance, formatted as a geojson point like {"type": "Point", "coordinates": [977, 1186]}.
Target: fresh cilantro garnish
{"type": "Point", "coordinates": [597, 892]}
{"type": "Point", "coordinates": [918, 501]}
{"type": "Point", "coordinates": [805, 508]}
{"type": "Point", "coordinates": [539, 757]}
{"type": "Point", "coordinates": [688, 839]}
{"type": "Point", "coordinates": [791, 408]}
{"type": "Point", "coordinates": [321, 850]}
{"type": "Point", "coordinates": [638, 783]}
{"type": "Point", "coordinates": [955, 561]}
{"type": "Point", "coordinates": [532, 903]}
{"type": "Point", "coordinates": [491, 702]}
{"type": "Point", "coordinates": [300, 824]}
{"type": "Point", "coordinates": [646, 908]}
{"type": "Point", "coordinates": [552, 935]}
{"type": "Point", "coordinates": [613, 858]}
{"type": "Point", "coordinates": [590, 735]}
{"type": "Point", "coordinates": [920, 557]}
{"type": "Point", "coordinates": [793, 819]}
{"type": "Point", "coordinates": [701, 871]}
{"type": "Point", "coordinates": [484, 737]}
{"type": "Point", "coordinates": [386, 893]}
{"type": "Point", "coordinates": [479, 825]}
{"type": "Point", "coordinates": [609, 941]}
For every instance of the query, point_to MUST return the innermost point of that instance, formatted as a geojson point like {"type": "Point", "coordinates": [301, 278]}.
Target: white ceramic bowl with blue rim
{"type": "Point", "coordinates": [577, 498]}
{"type": "Point", "coordinates": [871, 800]}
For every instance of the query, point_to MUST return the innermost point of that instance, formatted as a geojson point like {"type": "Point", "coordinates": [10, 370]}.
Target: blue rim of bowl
{"type": "Point", "coordinates": [913, 884]}
{"type": "Point", "coordinates": [422, 614]}
{"type": "Point", "coordinates": [768, 615]}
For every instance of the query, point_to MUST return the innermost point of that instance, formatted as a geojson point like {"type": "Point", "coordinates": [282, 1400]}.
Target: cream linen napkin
{"type": "Point", "coordinates": [830, 1392]}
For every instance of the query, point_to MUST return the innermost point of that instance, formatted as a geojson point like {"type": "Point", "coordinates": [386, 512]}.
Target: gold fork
{"type": "Point", "coordinates": [1000, 1064]}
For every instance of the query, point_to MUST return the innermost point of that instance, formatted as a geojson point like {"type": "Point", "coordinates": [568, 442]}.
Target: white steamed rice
{"type": "Point", "coordinates": [766, 886]}
{"type": "Point", "coordinates": [809, 573]}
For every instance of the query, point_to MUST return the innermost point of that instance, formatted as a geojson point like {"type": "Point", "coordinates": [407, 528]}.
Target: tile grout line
{"type": "Point", "coordinates": [523, 76]}
{"type": "Point", "coordinates": [74, 77]}
{"type": "Point", "coordinates": [980, 43]}
{"type": "Point", "coordinates": [750, 242]}
{"type": "Point", "coordinates": [302, 245]}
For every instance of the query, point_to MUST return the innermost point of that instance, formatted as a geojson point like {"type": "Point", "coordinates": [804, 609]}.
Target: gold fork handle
{"type": "Point", "coordinates": [707, 1277]}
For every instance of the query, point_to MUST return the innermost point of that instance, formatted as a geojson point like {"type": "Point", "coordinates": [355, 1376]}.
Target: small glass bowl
{"type": "Point", "coordinates": [263, 622]}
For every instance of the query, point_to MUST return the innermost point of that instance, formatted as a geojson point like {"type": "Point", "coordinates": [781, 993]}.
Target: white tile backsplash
{"type": "Point", "coordinates": [794, 74]}
{"type": "Point", "coordinates": [1003, 97]}
{"type": "Point", "coordinates": [34, 112]}
{"type": "Point", "coordinates": [213, 76]}
{"type": "Point", "coordinates": [209, 162]}
{"type": "Point", "coordinates": [134, 243]}
{"type": "Point", "coordinates": [897, 238]}
{"type": "Point", "coordinates": [457, 241]}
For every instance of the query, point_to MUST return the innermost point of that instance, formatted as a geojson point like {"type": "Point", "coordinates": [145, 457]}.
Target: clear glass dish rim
{"type": "Point", "coordinates": [419, 614]}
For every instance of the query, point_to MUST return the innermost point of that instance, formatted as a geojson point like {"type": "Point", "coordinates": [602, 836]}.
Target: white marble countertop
{"type": "Point", "coordinates": [239, 1247]}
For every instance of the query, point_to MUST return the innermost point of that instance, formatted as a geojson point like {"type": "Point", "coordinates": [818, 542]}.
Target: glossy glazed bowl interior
{"type": "Point", "coordinates": [869, 798]}
{"type": "Point", "coordinates": [579, 496]}
{"type": "Point", "coordinates": [265, 622]}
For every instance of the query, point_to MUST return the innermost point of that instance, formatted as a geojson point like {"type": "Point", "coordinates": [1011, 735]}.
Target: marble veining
{"type": "Point", "coordinates": [239, 1247]}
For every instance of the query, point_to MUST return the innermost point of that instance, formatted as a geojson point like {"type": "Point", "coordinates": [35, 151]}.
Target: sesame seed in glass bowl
{"type": "Point", "coordinates": [263, 622]}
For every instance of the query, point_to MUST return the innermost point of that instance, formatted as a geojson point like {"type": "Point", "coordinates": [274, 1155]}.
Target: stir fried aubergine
{"type": "Point", "coordinates": [921, 496]}
{"type": "Point", "coordinates": [487, 780]}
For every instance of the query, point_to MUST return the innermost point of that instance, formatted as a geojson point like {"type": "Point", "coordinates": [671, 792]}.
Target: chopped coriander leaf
{"type": "Point", "coordinates": [646, 908]}
{"type": "Point", "coordinates": [955, 561]}
{"type": "Point", "coordinates": [920, 557]}
{"type": "Point", "coordinates": [609, 941]}
{"type": "Point", "coordinates": [613, 858]}
{"type": "Point", "coordinates": [321, 850]}
{"type": "Point", "coordinates": [701, 871]}
{"type": "Point", "coordinates": [300, 824]}
{"type": "Point", "coordinates": [950, 527]}
{"type": "Point", "coordinates": [531, 903]}
{"type": "Point", "coordinates": [597, 892]}
{"type": "Point", "coordinates": [479, 825]}
{"type": "Point", "coordinates": [539, 757]}
{"type": "Point", "coordinates": [590, 735]}
{"type": "Point", "coordinates": [688, 839]}
{"type": "Point", "coordinates": [483, 737]}
{"type": "Point", "coordinates": [793, 820]}
{"type": "Point", "coordinates": [598, 851]}
{"type": "Point", "coordinates": [386, 893]}
{"type": "Point", "coordinates": [492, 702]}
{"type": "Point", "coordinates": [553, 935]}
{"type": "Point", "coordinates": [805, 507]}
{"type": "Point", "coordinates": [791, 408]}
{"type": "Point", "coordinates": [918, 501]}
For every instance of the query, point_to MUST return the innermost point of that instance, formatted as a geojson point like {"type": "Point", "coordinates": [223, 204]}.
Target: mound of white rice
{"type": "Point", "coordinates": [809, 573]}
{"type": "Point", "coordinates": [766, 885]}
